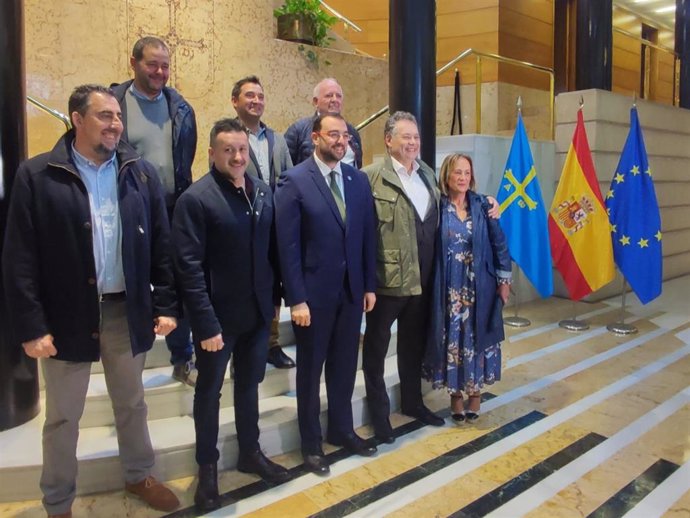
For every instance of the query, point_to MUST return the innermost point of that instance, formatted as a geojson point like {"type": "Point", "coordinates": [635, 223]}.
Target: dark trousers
{"type": "Point", "coordinates": [249, 357]}
{"type": "Point", "coordinates": [412, 315]}
{"type": "Point", "coordinates": [179, 343]}
{"type": "Point", "coordinates": [331, 339]}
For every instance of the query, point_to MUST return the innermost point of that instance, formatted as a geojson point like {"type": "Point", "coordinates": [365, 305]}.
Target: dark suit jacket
{"type": "Point", "coordinates": [298, 138]}
{"type": "Point", "coordinates": [221, 278]}
{"type": "Point", "coordinates": [317, 249]}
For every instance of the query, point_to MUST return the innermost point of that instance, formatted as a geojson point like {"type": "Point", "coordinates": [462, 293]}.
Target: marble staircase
{"type": "Point", "coordinates": [170, 424]}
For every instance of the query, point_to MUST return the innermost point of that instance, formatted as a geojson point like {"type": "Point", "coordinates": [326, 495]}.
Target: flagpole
{"type": "Point", "coordinates": [573, 324]}
{"type": "Point", "coordinates": [620, 327]}
{"type": "Point", "coordinates": [515, 320]}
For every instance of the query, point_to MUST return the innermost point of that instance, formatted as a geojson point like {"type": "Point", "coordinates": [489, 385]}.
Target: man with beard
{"type": "Point", "coordinates": [160, 124]}
{"type": "Point", "coordinates": [87, 239]}
{"type": "Point", "coordinates": [227, 269]}
{"type": "Point", "coordinates": [268, 158]}
{"type": "Point", "coordinates": [328, 98]}
{"type": "Point", "coordinates": [325, 223]}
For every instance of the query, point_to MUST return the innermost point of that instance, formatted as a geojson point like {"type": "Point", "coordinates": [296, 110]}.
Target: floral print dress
{"type": "Point", "coordinates": [467, 369]}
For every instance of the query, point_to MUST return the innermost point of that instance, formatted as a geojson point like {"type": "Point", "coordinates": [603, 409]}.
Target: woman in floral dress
{"type": "Point", "coordinates": [472, 282]}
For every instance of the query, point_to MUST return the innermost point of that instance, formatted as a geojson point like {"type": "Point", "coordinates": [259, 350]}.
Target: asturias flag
{"type": "Point", "coordinates": [634, 216]}
{"type": "Point", "coordinates": [523, 217]}
{"type": "Point", "coordinates": [578, 223]}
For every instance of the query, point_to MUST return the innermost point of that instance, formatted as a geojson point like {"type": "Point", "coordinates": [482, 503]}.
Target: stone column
{"type": "Point", "coordinates": [412, 67]}
{"type": "Point", "coordinates": [18, 373]}
{"type": "Point", "coordinates": [594, 44]}
{"type": "Point", "coordinates": [683, 49]}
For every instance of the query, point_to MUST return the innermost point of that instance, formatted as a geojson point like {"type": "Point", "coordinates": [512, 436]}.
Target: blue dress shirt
{"type": "Point", "coordinates": [101, 186]}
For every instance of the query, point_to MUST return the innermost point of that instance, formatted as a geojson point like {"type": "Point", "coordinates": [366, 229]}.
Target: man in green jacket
{"type": "Point", "coordinates": [406, 198]}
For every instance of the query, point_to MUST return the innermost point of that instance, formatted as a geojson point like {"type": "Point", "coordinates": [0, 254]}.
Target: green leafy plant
{"type": "Point", "coordinates": [311, 9]}
{"type": "Point", "coordinates": [312, 57]}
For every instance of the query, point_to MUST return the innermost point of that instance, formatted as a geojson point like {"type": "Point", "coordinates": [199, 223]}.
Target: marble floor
{"type": "Point", "coordinates": [582, 424]}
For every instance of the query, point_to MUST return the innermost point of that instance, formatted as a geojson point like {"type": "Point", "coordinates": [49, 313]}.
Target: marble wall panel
{"type": "Point", "coordinates": [213, 43]}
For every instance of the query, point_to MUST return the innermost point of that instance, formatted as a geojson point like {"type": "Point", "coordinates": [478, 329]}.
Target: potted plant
{"type": "Point", "coordinates": [304, 21]}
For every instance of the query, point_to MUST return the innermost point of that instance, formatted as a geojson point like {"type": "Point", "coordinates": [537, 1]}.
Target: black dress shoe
{"type": "Point", "coordinates": [257, 463]}
{"type": "Point", "coordinates": [206, 496]}
{"type": "Point", "coordinates": [279, 359]}
{"type": "Point", "coordinates": [387, 438]}
{"type": "Point", "coordinates": [426, 416]}
{"type": "Point", "coordinates": [383, 432]}
{"type": "Point", "coordinates": [354, 444]}
{"type": "Point", "coordinates": [316, 463]}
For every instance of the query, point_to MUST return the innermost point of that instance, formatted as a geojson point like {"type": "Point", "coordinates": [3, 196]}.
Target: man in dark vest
{"type": "Point", "coordinates": [268, 158]}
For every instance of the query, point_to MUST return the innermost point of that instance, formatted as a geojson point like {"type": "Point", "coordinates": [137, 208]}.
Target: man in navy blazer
{"type": "Point", "coordinates": [326, 245]}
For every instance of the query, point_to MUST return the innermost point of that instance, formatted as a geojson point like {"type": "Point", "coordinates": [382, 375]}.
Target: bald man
{"type": "Point", "coordinates": [328, 98]}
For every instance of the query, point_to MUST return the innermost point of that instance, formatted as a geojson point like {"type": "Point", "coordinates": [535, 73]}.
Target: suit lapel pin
{"type": "Point", "coordinates": [349, 177]}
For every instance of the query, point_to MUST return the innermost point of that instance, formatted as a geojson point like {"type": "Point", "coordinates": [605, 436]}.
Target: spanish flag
{"type": "Point", "coordinates": [578, 223]}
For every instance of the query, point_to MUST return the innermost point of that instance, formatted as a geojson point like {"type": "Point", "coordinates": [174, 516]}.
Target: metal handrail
{"type": "Point", "coordinates": [648, 43]}
{"type": "Point", "coordinates": [50, 111]}
{"type": "Point", "coordinates": [675, 101]}
{"type": "Point", "coordinates": [478, 84]}
{"type": "Point", "coordinates": [342, 18]}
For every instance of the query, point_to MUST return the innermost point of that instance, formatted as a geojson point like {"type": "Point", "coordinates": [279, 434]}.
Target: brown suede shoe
{"type": "Point", "coordinates": [68, 514]}
{"type": "Point", "coordinates": [155, 494]}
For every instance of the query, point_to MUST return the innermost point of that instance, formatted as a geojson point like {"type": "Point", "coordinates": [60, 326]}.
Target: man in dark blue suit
{"type": "Point", "coordinates": [326, 243]}
{"type": "Point", "coordinates": [223, 233]}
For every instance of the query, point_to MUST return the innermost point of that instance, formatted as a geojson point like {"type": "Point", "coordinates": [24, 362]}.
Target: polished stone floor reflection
{"type": "Point", "coordinates": [582, 424]}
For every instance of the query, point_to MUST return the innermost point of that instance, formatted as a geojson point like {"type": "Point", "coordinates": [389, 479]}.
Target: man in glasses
{"type": "Point", "coordinates": [328, 98]}
{"type": "Point", "coordinates": [326, 245]}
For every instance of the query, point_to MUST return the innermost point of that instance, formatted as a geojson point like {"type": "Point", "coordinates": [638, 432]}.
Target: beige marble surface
{"type": "Point", "coordinates": [212, 43]}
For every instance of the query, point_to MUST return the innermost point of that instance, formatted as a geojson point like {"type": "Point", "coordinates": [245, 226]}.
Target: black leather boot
{"type": "Point", "coordinates": [206, 497]}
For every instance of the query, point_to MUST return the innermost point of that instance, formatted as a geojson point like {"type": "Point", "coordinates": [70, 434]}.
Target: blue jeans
{"type": "Point", "coordinates": [179, 342]}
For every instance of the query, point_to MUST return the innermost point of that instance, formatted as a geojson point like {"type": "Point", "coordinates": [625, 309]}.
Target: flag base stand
{"type": "Point", "coordinates": [573, 325]}
{"type": "Point", "coordinates": [517, 321]}
{"type": "Point", "coordinates": [621, 328]}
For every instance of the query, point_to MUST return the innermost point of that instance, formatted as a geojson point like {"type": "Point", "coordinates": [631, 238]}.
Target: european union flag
{"type": "Point", "coordinates": [523, 217]}
{"type": "Point", "coordinates": [634, 216]}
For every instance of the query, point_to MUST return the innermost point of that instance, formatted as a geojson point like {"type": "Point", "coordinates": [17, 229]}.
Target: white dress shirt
{"type": "Point", "coordinates": [414, 186]}
{"type": "Point", "coordinates": [326, 172]}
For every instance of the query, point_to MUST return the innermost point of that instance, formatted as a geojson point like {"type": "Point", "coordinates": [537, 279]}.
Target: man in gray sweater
{"type": "Point", "coordinates": [160, 124]}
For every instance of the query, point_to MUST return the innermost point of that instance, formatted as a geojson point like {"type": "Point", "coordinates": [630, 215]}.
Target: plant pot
{"type": "Point", "coordinates": [296, 27]}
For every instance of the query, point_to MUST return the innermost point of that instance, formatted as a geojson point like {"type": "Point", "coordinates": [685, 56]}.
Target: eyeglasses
{"type": "Point", "coordinates": [336, 136]}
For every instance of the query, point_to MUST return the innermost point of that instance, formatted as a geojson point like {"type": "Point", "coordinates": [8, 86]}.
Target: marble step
{"type": "Point", "coordinates": [159, 356]}
{"type": "Point", "coordinates": [166, 397]}
{"type": "Point", "coordinates": [173, 440]}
